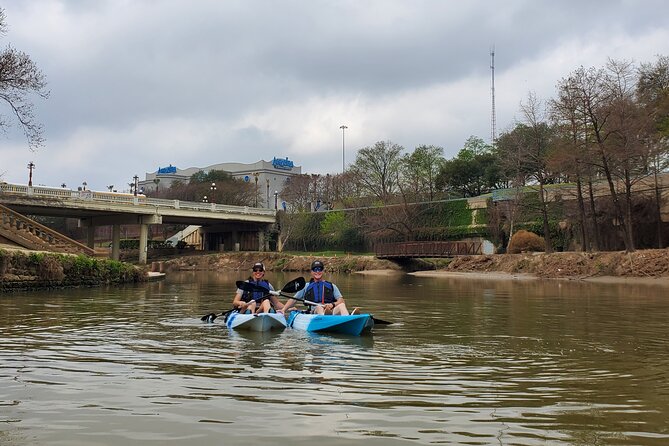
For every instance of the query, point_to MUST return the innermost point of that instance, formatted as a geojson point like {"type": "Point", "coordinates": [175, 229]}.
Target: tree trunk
{"type": "Point", "coordinates": [595, 224]}
{"type": "Point", "coordinates": [585, 243]}
{"type": "Point", "coordinates": [544, 216]}
{"type": "Point", "coordinates": [658, 209]}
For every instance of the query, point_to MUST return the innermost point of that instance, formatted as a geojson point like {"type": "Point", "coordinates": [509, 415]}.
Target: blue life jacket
{"type": "Point", "coordinates": [320, 292]}
{"type": "Point", "coordinates": [248, 296]}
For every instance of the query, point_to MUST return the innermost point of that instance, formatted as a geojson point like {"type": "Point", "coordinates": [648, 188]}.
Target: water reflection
{"type": "Point", "coordinates": [475, 362]}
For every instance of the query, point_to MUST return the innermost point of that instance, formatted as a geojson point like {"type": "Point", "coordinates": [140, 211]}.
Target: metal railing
{"type": "Point", "coordinates": [128, 199]}
{"type": "Point", "coordinates": [427, 249]}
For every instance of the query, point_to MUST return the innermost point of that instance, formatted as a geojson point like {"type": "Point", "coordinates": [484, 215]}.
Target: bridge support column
{"type": "Point", "coordinates": [261, 241]}
{"type": "Point", "coordinates": [116, 242]}
{"type": "Point", "coordinates": [90, 236]}
{"type": "Point", "coordinates": [235, 240]}
{"type": "Point", "coordinates": [143, 243]}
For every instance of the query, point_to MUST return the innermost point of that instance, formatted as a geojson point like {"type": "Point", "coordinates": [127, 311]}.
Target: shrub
{"type": "Point", "coordinates": [525, 241]}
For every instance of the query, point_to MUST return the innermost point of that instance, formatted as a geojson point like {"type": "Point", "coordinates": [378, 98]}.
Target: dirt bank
{"type": "Point", "coordinates": [243, 261]}
{"type": "Point", "coordinates": [652, 263]}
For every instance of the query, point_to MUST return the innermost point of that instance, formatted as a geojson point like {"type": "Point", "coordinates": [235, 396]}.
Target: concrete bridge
{"type": "Point", "coordinates": [226, 224]}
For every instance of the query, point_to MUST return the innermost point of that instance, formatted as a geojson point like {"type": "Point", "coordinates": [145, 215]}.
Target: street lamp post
{"type": "Point", "coordinates": [84, 184]}
{"type": "Point", "coordinates": [110, 187]}
{"type": "Point", "coordinates": [212, 188]}
{"type": "Point", "coordinates": [276, 200]}
{"type": "Point", "coordinates": [256, 175]}
{"type": "Point", "coordinates": [343, 149]}
{"type": "Point", "coordinates": [136, 183]}
{"type": "Point", "coordinates": [205, 200]}
{"type": "Point", "coordinates": [267, 180]}
{"type": "Point", "coordinates": [31, 166]}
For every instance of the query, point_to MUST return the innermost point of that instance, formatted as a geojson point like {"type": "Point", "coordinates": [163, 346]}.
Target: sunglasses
{"type": "Point", "coordinates": [317, 269]}
{"type": "Point", "coordinates": [258, 270]}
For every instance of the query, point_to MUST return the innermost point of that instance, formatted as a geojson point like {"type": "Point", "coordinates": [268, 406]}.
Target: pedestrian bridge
{"type": "Point", "coordinates": [400, 250]}
{"type": "Point", "coordinates": [94, 208]}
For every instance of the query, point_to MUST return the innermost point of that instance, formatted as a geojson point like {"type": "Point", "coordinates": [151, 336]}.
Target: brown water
{"type": "Point", "coordinates": [468, 362]}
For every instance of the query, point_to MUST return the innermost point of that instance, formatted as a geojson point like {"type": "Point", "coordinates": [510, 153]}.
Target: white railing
{"type": "Point", "coordinates": [122, 198]}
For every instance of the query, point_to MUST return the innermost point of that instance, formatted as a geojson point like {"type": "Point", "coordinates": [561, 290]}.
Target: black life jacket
{"type": "Point", "coordinates": [248, 296]}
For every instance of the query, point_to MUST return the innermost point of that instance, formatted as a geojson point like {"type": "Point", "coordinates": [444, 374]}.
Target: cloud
{"type": "Point", "coordinates": [140, 84]}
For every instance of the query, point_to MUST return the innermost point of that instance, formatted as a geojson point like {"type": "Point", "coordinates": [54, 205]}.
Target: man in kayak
{"type": "Point", "coordinates": [324, 294]}
{"type": "Point", "coordinates": [252, 301]}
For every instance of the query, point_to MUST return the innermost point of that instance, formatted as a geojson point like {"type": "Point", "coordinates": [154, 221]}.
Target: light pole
{"type": "Point", "coordinates": [212, 188]}
{"type": "Point", "coordinates": [205, 200]}
{"type": "Point", "coordinates": [267, 180]}
{"type": "Point", "coordinates": [276, 200]}
{"type": "Point", "coordinates": [135, 183]}
{"type": "Point", "coordinates": [63, 185]}
{"type": "Point", "coordinates": [256, 175]}
{"type": "Point", "coordinates": [84, 184]}
{"type": "Point", "coordinates": [31, 166]}
{"type": "Point", "coordinates": [110, 187]}
{"type": "Point", "coordinates": [343, 149]}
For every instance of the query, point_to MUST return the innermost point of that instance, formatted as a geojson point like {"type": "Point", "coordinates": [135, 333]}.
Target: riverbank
{"type": "Point", "coordinates": [31, 270]}
{"type": "Point", "coordinates": [646, 266]}
{"type": "Point", "coordinates": [276, 261]}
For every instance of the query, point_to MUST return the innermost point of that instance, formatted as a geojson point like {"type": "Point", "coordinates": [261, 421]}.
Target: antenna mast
{"type": "Point", "coordinates": [493, 118]}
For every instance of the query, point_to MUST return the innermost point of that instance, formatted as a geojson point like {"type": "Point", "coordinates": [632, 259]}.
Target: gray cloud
{"type": "Point", "coordinates": [140, 84]}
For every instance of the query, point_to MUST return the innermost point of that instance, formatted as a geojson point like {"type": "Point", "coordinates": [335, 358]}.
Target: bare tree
{"type": "Point", "coordinates": [377, 169]}
{"type": "Point", "coordinates": [19, 79]}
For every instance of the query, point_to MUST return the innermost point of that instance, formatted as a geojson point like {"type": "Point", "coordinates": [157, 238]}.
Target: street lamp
{"type": "Point", "coordinates": [343, 149]}
{"type": "Point", "coordinates": [110, 187]}
{"type": "Point", "coordinates": [256, 175]}
{"type": "Point", "coordinates": [63, 185]}
{"type": "Point", "coordinates": [136, 183]}
{"type": "Point", "coordinates": [205, 200]}
{"type": "Point", "coordinates": [212, 188]}
{"type": "Point", "coordinates": [267, 179]}
{"type": "Point", "coordinates": [276, 198]}
{"type": "Point", "coordinates": [84, 184]}
{"type": "Point", "coordinates": [31, 166]}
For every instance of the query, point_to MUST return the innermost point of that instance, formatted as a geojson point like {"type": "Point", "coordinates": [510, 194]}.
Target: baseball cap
{"type": "Point", "coordinates": [317, 264]}
{"type": "Point", "coordinates": [259, 266]}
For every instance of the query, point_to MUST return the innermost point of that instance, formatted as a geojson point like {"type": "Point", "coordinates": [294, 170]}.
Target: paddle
{"type": "Point", "coordinates": [308, 302]}
{"type": "Point", "coordinates": [293, 286]}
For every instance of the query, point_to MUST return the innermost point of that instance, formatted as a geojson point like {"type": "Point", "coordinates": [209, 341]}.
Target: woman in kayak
{"type": "Point", "coordinates": [321, 292]}
{"type": "Point", "coordinates": [252, 301]}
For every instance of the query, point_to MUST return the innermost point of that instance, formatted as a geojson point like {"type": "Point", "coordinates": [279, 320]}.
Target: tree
{"type": "Point", "coordinates": [474, 171]}
{"type": "Point", "coordinates": [19, 79]}
{"type": "Point", "coordinates": [420, 170]}
{"type": "Point", "coordinates": [652, 91]}
{"type": "Point", "coordinates": [377, 169]}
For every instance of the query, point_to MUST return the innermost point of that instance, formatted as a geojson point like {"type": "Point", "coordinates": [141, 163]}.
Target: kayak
{"type": "Point", "coordinates": [353, 324]}
{"type": "Point", "coordinates": [256, 322]}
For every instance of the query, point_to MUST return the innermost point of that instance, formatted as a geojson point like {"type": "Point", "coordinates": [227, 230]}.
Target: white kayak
{"type": "Point", "coordinates": [256, 322]}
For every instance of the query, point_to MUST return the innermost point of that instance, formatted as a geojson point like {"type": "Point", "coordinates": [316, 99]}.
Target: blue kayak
{"type": "Point", "coordinates": [354, 324]}
{"type": "Point", "coordinates": [256, 322]}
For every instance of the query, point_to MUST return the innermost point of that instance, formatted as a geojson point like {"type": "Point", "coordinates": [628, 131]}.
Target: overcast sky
{"type": "Point", "coordinates": [139, 84]}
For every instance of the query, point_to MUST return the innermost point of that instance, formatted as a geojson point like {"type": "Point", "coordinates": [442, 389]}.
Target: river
{"type": "Point", "coordinates": [471, 362]}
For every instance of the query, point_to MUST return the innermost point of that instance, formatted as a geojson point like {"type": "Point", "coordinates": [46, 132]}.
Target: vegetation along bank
{"type": "Point", "coordinates": [20, 270]}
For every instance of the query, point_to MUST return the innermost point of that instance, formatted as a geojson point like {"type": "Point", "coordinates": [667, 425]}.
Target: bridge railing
{"type": "Point", "coordinates": [128, 199]}
{"type": "Point", "coordinates": [428, 249]}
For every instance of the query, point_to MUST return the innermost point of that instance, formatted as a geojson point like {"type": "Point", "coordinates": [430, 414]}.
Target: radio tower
{"type": "Point", "coordinates": [493, 118]}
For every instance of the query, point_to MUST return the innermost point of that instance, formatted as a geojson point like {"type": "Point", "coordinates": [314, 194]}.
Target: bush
{"type": "Point", "coordinates": [525, 241]}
